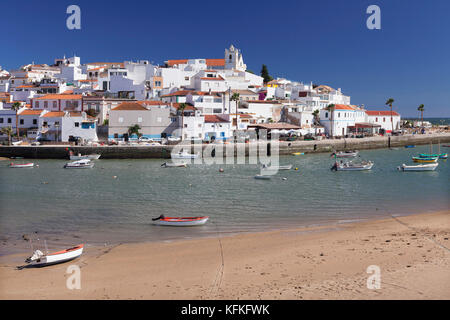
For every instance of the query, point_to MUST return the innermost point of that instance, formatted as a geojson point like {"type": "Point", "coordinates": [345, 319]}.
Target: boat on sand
{"type": "Point", "coordinates": [39, 259]}
{"type": "Point", "coordinates": [180, 222]}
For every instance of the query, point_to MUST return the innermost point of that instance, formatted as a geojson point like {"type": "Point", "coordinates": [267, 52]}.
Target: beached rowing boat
{"type": "Point", "coordinates": [39, 259]}
{"type": "Point", "coordinates": [420, 167]}
{"type": "Point", "coordinates": [298, 153]}
{"type": "Point", "coordinates": [21, 165]}
{"type": "Point", "coordinates": [181, 222]}
{"type": "Point", "coordinates": [276, 168]}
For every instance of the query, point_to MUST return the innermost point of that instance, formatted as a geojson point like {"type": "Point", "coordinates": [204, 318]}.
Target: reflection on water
{"type": "Point", "coordinates": [115, 201]}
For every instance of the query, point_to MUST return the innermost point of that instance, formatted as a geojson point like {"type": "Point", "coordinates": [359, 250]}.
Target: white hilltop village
{"type": "Point", "coordinates": [196, 99]}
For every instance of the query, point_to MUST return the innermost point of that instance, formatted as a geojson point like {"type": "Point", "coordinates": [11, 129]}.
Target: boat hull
{"type": "Point", "coordinates": [425, 160]}
{"type": "Point", "coordinates": [58, 257]}
{"type": "Point", "coordinates": [86, 157]}
{"type": "Point", "coordinates": [181, 222]}
{"type": "Point", "coordinates": [262, 177]}
{"type": "Point", "coordinates": [423, 167]}
{"type": "Point", "coordinates": [25, 165]}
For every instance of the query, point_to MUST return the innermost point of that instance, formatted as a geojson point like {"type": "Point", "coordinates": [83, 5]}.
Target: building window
{"type": "Point", "coordinates": [384, 119]}
{"type": "Point", "coordinates": [21, 121]}
{"type": "Point", "coordinates": [36, 104]}
{"type": "Point", "coordinates": [77, 124]}
{"type": "Point", "coordinates": [186, 78]}
{"type": "Point", "coordinates": [34, 121]}
{"type": "Point", "coordinates": [54, 105]}
{"type": "Point", "coordinates": [139, 119]}
{"type": "Point", "coordinates": [120, 119]}
{"type": "Point", "coordinates": [9, 120]}
{"type": "Point", "coordinates": [326, 114]}
{"type": "Point", "coordinates": [1, 120]}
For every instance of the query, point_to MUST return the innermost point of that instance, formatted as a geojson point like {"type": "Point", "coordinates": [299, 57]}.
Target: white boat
{"type": "Point", "coordinates": [345, 154]}
{"type": "Point", "coordinates": [420, 167]}
{"type": "Point", "coordinates": [173, 165]}
{"type": "Point", "coordinates": [39, 259]}
{"type": "Point", "coordinates": [17, 143]}
{"type": "Point", "coordinates": [277, 168]}
{"type": "Point", "coordinates": [80, 164]}
{"type": "Point", "coordinates": [350, 166]}
{"type": "Point", "coordinates": [263, 177]}
{"type": "Point", "coordinates": [181, 222]}
{"type": "Point", "coordinates": [80, 157]}
{"type": "Point", "coordinates": [184, 155]}
{"type": "Point", "coordinates": [21, 165]}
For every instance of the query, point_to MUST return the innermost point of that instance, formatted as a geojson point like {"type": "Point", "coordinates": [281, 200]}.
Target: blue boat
{"type": "Point", "coordinates": [410, 146]}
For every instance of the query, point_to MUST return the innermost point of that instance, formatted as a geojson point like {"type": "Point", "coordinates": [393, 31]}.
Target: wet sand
{"type": "Point", "coordinates": [327, 262]}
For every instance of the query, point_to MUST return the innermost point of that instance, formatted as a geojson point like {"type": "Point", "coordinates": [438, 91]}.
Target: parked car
{"type": "Point", "coordinates": [309, 136]}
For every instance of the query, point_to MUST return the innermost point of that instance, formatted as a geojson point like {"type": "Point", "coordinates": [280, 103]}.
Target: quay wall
{"type": "Point", "coordinates": [163, 152]}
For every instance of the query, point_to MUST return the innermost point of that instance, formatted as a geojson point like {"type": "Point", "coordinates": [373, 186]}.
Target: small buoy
{"type": "Point", "coordinates": [190, 184]}
{"type": "Point", "coordinates": [221, 170]}
{"type": "Point", "coordinates": [37, 165]}
{"type": "Point", "coordinates": [115, 177]}
{"type": "Point", "coordinates": [296, 169]}
{"type": "Point", "coordinates": [284, 178]}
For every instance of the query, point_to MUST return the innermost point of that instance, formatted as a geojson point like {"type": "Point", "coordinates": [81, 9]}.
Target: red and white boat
{"type": "Point", "coordinates": [21, 165]}
{"type": "Point", "coordinates": [181, 222]}
{"type": "Point", "coordinates": [39, 259]}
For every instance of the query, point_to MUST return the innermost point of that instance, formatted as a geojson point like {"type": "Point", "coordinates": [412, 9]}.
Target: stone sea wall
{"type": "Point", "coordinates": [285, 148]}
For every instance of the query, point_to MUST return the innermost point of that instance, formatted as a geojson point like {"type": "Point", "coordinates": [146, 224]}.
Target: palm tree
{"type": "Point", "coordinates": [16, 106]}
{"type": "Point", "coordinates": [331, 110]}
{"type": "Point", "coordinates": [421, 108]}
{"type": "Point", "coordinates": [134, 130]}
{"type": "Point", "coordinates": [316, 120]}
{"type": "Point", "coordinates": [181, 109]}
{"type": "Point", "coordinates": [389, 103]}
{"type": "Point", "coordinates": [235, 97]}
{"type": "Point", "coordinates": [8, 131]}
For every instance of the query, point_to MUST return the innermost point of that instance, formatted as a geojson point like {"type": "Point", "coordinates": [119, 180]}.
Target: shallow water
{"type": "Point", "coordinates": [69, 206]}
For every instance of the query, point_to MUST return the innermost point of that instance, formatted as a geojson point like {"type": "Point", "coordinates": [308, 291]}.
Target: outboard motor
{"type": "Point", "coordinates": [36, 256]}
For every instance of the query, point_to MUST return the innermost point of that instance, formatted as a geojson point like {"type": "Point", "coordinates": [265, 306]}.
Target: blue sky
{"type": "Point", "coordinates": [326, 42]}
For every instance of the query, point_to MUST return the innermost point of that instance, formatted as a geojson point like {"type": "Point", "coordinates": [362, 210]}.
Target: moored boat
{"type": "Point", "coordinates": [272, 167]}
{"type": "Point", "coordinates": [262, 177]}
{"type": "Point", "coordinates": [428, 155]}
{"type": "Point", "coordinates": [39, 259]}
{"type": "Point", "coordinates": [81, 157]}
{"type": "Point", "coordinates": [80, 164]}
{"type": "Point", "coordinates": [420, 167]}
{"type": "Point", "coordinates": [184, 155]}
{"type": "Point", "coordinates": [425, 160]}
{"type": "Point", "coordinates": [181, 222]}
{"type": "Point", "coordinates": [410, 146]}
{"type": "Point", "coordinates": [345, 154]}
{"type": "Point", "coordinates": [21, 165]}
{"type": "Point", "coordinates": [173, 165]}
{"type": "Point", "coordinates": [350, 166]}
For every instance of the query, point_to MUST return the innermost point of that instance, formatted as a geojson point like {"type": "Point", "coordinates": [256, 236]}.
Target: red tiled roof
{"type": "Point", "coordinates": [188, 106]}
{"type": "Point", "coordinates": [381, 113]}
{"type": "Point", "coordinates": [343, 107]}
{"type": "Point", "coordinates": [214, 119]}
{"type": "Point", "coordinates": [60, 97]}
{"type": "Point", "coordinates": [130, 106]}
{"type": "Point", "coordinates": [152, 103]}
{"type": "Point", "coordinates": [178, 93]}
{"type": "Point", "coordinates": [219, 78]}
{"type": "Point", "coordinates": [55, 114]}
{"type": "Point", "coordinates": [30, 112]}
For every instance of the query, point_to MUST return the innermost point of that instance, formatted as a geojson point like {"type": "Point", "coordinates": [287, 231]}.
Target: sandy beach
{"type": "Point", "coordinates": [327, 262]}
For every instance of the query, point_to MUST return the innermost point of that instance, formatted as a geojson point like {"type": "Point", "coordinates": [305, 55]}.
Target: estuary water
{"type": "Point", "coordinates": [115, 201]}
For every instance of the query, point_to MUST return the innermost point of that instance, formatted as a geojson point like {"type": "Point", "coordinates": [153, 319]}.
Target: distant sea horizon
{"type": "Point", "coordinates": [432, 120]}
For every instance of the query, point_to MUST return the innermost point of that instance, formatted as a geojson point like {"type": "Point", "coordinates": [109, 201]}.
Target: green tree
{"type": "Point", "coordinates": [389, 103]}
{"type": "Point", "coordinates": [265, 74]}
{"type": "Point", "coordinates": [16, 107]}
{"type": "Point", "coordinates": [8, 131]}
{"type": "Point", "coordinates": [421, 108]}
{"type": "Point", "coordinates": [134, 130]}
{"type": "Point", "coordinates": [235, 97]}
